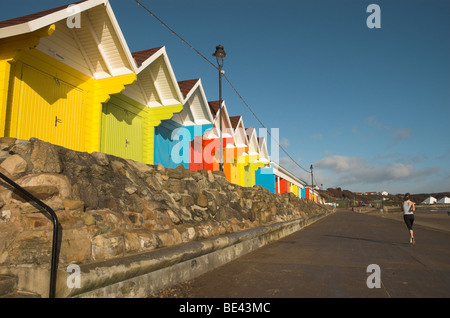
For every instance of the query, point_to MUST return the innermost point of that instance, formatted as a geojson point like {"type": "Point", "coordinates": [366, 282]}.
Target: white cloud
{"type": "Point", "coordinates": [358, 171]}
{"type": "Point", "coordinates": [284, 142]}
{"type": "Point", "coordinates": [396, 135]}
{"type": "Point", "coordinates": [401, 134]}
{"type": "Point", "coordinates": [339, 163]}
{"type": "Point", "coordinates": [373, 121]}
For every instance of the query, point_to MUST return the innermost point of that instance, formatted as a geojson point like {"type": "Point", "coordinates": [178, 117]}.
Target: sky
{"type": "Point", "coordinates": [368, 108]}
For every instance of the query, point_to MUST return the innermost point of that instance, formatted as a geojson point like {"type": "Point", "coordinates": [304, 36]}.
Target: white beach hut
{"type": "Point", "coordinates": [444, 200]}
{"type": "Point", "coordinates": [429, 200]}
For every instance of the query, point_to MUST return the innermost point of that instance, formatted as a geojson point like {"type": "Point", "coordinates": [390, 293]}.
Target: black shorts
{"type": "Point", "coordinates": [409, 220]}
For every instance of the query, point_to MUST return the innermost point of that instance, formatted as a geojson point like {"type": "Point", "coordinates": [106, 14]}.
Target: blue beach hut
{"type": "Point", "coordinates": [179, 140]}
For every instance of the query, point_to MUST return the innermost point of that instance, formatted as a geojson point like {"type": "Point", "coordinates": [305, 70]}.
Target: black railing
{"type": "Point", "coordinates": [55, 230]}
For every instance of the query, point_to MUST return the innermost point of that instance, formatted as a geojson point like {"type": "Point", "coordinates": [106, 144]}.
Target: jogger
{"type": "Point", "coordinates": [408, 208]}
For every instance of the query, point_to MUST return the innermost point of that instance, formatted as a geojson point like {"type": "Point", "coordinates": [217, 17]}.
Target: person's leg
{"type": "Point", "coordinates": [409, 222]}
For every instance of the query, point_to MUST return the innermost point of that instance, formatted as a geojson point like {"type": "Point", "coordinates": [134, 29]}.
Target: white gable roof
{"type": "Point", "coordinates": [444, 200]}
{"type": "Point", "coordinates": [96, 48]}
{"type": "Point", "coordinates": [156, 84]}
{"type": "Point", "coordinates": [196, 110]}
{"type": "Point", "coordinates": [253, 147]}
{"type": "Point", "coordinates": [227, 128]}
{"type": "Point", "coordinates": [429, 200]}
{"type": "Point", "coordinates": [263, 152]}
{"type": "Point", "coordinates": [240, 136]}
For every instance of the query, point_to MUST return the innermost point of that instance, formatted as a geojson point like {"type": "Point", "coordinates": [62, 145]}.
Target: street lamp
{"type": "Point", "coordinates": [220, 54]}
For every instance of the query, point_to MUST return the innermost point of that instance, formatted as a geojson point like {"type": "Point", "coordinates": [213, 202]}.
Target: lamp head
{"type": "Point", "coordinates": [219, 54]}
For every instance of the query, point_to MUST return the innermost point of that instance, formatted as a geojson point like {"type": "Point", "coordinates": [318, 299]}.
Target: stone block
{"type": "Point", "coordinates": [174, 186]}
{"type": "Point", "coordinates": [73, 204]}
{"type": "Point", "coordinates": [45, 158]}
{"type": "Point", "coordinates": [101, 158]}
{"type": "Point", "coordinates": [75, 245]}
{"type": "Point", "coordinates": [61, 182]}
{"type": "Point", "coordinates": [169, 238]}
{"type": "Point", "coordinates": [107, 246]}
{"type": "Point", "coordinates": [41, 192]}
{"type": "Point", "coordinates": [202, 200]}
{"type": "Point", "coordinates": [140, 240]}
{"type": "Point", "coordinates": [178, 173]}
{"type": "Point", "coordinates": [15, 165]}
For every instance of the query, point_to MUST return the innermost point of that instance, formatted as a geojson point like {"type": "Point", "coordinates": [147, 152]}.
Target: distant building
{"type": "Point", "coordinates": [429, 200]}
{"type": "Point", "coordinates": [444, 200]}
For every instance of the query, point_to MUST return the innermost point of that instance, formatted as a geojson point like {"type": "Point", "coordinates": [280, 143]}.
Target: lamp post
{"type": "Point", "coordinates": [220, 54]}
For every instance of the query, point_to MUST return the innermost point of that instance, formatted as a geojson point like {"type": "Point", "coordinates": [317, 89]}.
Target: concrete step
{"type": "Point", "coordinates": [8, 284]}
{"type": "Point", "coordinates": [20, 294]}
{"type": "Point", "coordinates": [8, 288]}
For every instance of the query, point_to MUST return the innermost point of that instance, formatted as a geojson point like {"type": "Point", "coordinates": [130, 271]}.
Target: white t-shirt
{"type": "Point", "coordinates": [407, 209]}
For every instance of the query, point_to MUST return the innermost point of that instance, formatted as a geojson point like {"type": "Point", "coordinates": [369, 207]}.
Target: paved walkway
{"type": "Point", "coordinates": [330, 258]}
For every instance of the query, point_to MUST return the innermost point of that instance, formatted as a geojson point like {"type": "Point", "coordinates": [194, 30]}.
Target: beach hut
{"type": "Point", "coordinates": [285, 181]}
{"type": "Point", "coordinates": [277, 179]}
{"type": "Point", "coordinates": [295, 189]}
{"type": "Point", "coordinates": [302, 193]}
{"type": "Point", "coordinates": [179, 140]}
{"type": "Point", "coordinates": [265, 175]}
{"type": "Point", "coordinates": [266, 178]}
{"type": "Point", "coordinates": [264, 157]}
{"type": "Point", "coordinates": [57, 67]}
{"type": "Point", "coordinates": [211, 141]}
{"type": "Point", "coordinates": [429, 200]}
{"type": "Point", "coordinates": [254, 162]}
{"type": "Point", "coordinates": [307, 193]}
{"type": "Point", "coordinates": [241, 148]}
{"type": "Point", "coordinates": [129, 118]}
{"type": "Point", "coordinates": [444, 200]}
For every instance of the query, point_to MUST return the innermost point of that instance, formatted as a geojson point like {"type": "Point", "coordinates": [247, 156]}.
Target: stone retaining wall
{"type": "Point", "coordinates": [111, 208]}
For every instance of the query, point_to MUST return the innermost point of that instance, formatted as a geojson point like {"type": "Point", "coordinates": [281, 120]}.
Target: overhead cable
{"type": "Point", "coordinates": [224, 76]}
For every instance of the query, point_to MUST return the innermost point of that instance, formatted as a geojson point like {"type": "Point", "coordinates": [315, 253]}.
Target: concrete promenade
{"type": "Point", "coordinates": [329, 259]}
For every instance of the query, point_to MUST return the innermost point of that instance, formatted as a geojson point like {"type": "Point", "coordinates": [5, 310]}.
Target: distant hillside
{"type": "Point", "coordinates": [339, 194]}
{"type": "Point", "coordinates": [418, 198]}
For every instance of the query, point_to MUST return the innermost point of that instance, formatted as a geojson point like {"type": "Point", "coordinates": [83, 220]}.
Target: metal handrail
{"type": "Point", "coordinates": [55, 231]}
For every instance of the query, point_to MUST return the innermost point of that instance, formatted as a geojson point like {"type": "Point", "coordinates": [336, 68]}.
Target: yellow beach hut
{"type": "Point", "coordinates": [129, 118]}
{"type": "Point", "coordinates": [253, 158]}
{"type": "Point", "coordinates": [57, 67]}
{"type": "Point", "coordinates": [241, 149]}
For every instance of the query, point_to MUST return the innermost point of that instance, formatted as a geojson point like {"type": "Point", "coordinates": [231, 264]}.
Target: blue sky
{"type": "Point", "coordinates": [369, 108]}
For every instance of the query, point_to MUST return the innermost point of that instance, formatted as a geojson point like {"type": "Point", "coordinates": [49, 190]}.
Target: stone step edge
{"type": "Point", "coordinates": [140, 275]}
{"type": "Point", "coordinates": [8, 284]}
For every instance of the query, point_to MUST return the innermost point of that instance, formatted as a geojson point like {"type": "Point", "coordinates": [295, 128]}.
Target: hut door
{"type": "Point", "coordinates": [247, 175]}
{"type": "Point", "coordinates": [121, 132]}
{"type": "Point", "coordinates": [49, 109]}
{"type": "Point", "coordinates": [196, 154]}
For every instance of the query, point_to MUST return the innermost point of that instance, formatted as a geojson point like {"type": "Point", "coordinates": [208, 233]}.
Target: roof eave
{"type": "Point", "coordinates": [41, 22]}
